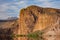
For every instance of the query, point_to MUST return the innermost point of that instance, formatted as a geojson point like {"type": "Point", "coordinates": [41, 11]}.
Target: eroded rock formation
{"type": "Point", "coordinates": [35, 18]}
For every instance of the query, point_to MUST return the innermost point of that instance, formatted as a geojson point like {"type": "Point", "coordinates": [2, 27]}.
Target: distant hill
{"type": "Point", "coordinates": [8, 19]}
{"type": "Point", "coordinates": [7, 23]}
{"type": "Point", "coordinates": [11, 18]}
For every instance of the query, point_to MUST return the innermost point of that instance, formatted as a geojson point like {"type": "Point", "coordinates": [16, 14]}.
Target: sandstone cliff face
{"type": "Point", "coordinates": [35, 18]}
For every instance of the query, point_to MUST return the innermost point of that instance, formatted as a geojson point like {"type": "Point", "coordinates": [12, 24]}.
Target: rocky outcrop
{"type": "Point", "coordinates": [35, 18]}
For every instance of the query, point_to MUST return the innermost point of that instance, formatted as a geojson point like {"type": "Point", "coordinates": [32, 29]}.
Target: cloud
{"type": "Point", "coordinates": [5, 8]}
{"type": "Point", "coordinates": [45, 3]}
{"type": "Point", "coordinates": [3, 16]}
{"type": "Point", "coordinates": [49, 3]}
{"type": "Point", "coordinates": [55, 4]}
{"type": "Point", "coordinates": [11, 8]}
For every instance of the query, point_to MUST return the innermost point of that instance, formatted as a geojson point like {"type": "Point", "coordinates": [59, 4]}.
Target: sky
{"type": "Point", "coordinates": [11, 8]}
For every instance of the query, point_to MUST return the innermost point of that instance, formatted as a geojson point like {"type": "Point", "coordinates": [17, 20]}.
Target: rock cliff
{"type": "Point", "coordinates": [35, 18]}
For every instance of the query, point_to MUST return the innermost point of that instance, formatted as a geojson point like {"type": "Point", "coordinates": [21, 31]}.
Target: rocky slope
{"type": "Point", "coordinates": [6, 23]}
{"type": "Point", "coordinates": [35, 18]}
{"type": "Point", "coordinates": [7, 28]}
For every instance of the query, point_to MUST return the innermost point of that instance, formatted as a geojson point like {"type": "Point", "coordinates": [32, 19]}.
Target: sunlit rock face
{"type": "Point", "coordinates": [35, 18]}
